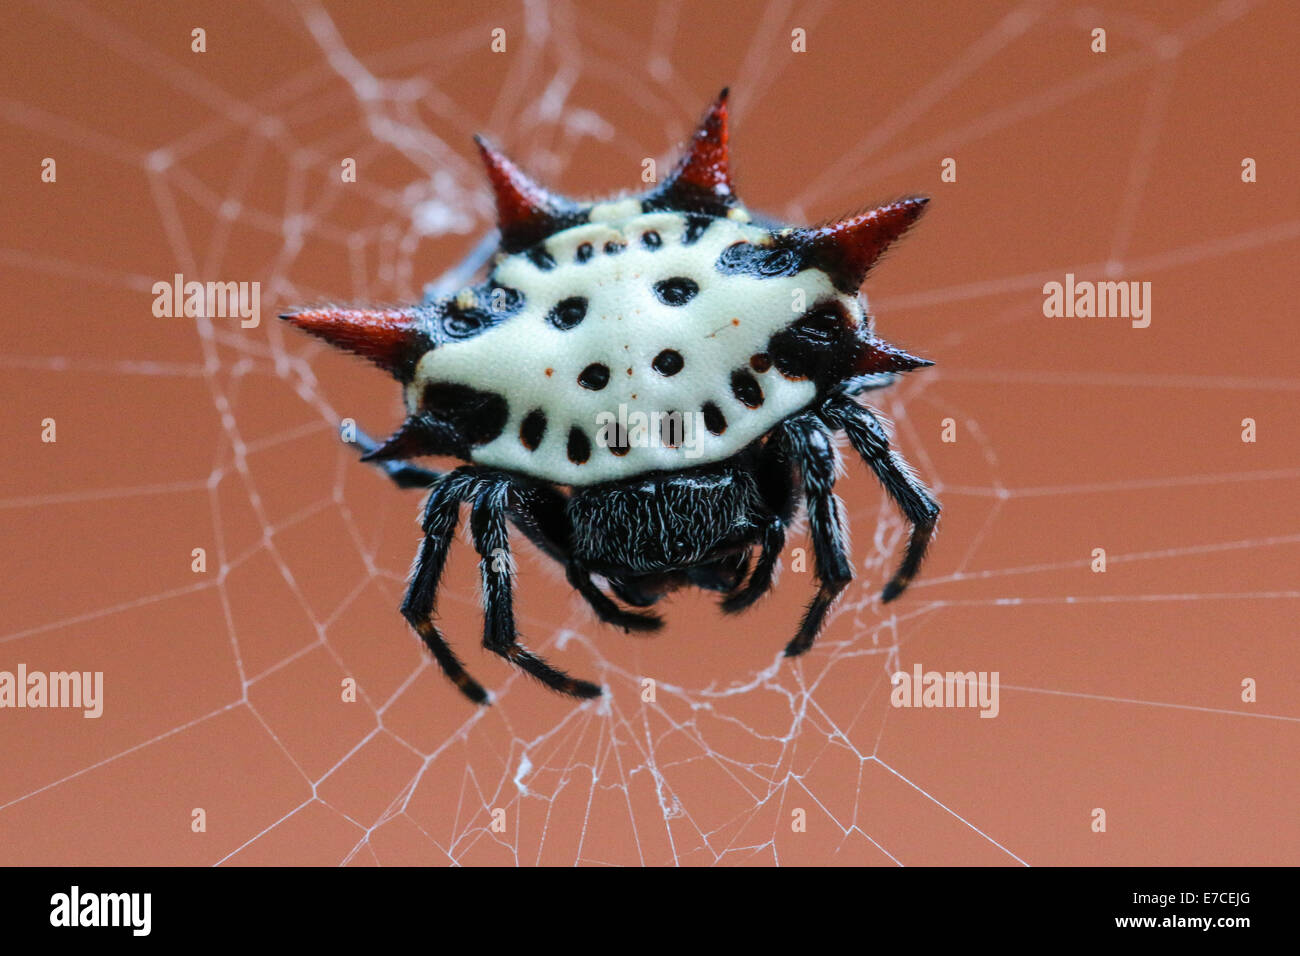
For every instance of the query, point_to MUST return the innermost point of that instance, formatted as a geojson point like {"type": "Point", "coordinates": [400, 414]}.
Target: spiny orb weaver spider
{"type": "Point", "coordinates": [675, 300]}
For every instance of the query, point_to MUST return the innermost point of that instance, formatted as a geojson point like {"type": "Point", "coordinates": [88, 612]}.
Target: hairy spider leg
{"type": "Point", "coordinates": [492, 541]}
{"type": "Point", "coordinates": [808, 443]}
{"type": "Point", "coordinates": [538, 512]}
{"type": "Point", "coordinates": [635, 591]}
{"type": "Point", "coordinates": [726, 574]}
{"type": "Point", "coordinates": [778, 488]}
{"type": "Point", "coordinates": [527, 507]}
{"type": "Point", "coordinates": [530, 508]}
{"type": "Point", "coordinates": [441, 514]}
{"type": "Point", "coordinates": [609, 612]}
{"type": "Point", "coordinates": [867, 436]}
{"type": "Point", "coordinates": [487, 523]}
{"type": "Point", "coordinates": [760, 582]}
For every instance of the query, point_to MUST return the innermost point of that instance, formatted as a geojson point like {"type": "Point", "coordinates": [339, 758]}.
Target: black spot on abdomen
{"type": "Point", "coordinates": [617, 442]}
{"type": "Point", "coordinates": [567, 313]}
{"type": "Point", "coordinates": [677, 290]}
{"type": "Point", "coordinates": [672, 428]}
{"type": "Point", "coordinates": [493, 303]}
{"type": "Point", "coordinates": [579, 446]}
{"type": "Point", "coordinates": [539, 257]}
{"type": "Point", "coordinates": [595, 376]}
{"type": "Point", "coordinates": [746, 388]}
{"type": "Point", "coordinates": [533, 429]}
{"type": "Point", "coordinates": [695, 227]}
{"type": "Point", "coordinates": [762, 262]}
{"type": "Point", "coordinates": [668, 362]}
{"type": "Point", "coordinates": [714, 420]}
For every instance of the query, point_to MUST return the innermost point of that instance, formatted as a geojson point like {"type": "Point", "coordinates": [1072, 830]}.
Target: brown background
{"type": "Point", "coordinates": [1119, 690]}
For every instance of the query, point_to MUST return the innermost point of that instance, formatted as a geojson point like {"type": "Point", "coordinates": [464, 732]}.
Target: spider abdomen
{"type": "Point", "coordinates": [624, 323]}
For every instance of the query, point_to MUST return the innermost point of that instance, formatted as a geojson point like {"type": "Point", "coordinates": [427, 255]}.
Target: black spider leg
{"type": "Point", "coordinates": [726, 574]}
{"type": "Point", "coordinates": [538, 512]}
{"type": "Point", "coordinates": [778, 489]}
{"type": "Point", "coordinates": [604, 607]}
{"type": "Point", "coordinates": [441, 514]}
{"type": "Point", "coordinates": [492, 541]}
{"type": "Point", "coordinates": [868, 438]}
{"type": "Point", "coordinates": [631, 591]}
{"type": "Point", "coordinates": [771, 544]}
{"type": "Point", "coordinates": [403, 474]}
{"type": "Point", "coordinates": [534, 511]}
{"type": "Point", "coordinates": [809, 446]}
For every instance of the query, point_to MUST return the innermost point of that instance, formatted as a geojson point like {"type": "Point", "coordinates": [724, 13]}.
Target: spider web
{"type": "Point", "coordinates": [1120, 690]}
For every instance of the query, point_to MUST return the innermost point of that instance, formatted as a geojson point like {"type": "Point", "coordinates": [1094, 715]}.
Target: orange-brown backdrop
{"type": "Point", "coordinates": [1120, 690]}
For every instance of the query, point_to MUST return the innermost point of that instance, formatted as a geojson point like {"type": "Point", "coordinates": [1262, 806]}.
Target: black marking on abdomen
{"type": "Point", "coordinates": [567, 313]}
{"type": "Point", "coordinates": [585, 252]}
{"type": "Point", "coordinates": [819, 345]}
{"type": "Point", "coordinates": [476, 417]}
{"type": "Point", "coordinates": [493, 303]}
{"type": "Point", "coordinates": [651, 240]}
{"type": "Point", "coordinates": [503, 301]}
{"type": "Point", "coordinates": [579, 446]}
{"type": "Point", "coordinates": [672, 426]}
{"type": "Point", "coordinates": [676, 291]}
{"type": "Point", "coordinates": [668, 362]}
{"type": "Point", "coordinates": [714, 420]}
{"type": "Point", "coordinates": [539, 257]}
{"type": "Point", "coordinates": [762, 262]}
{"type": "Point", "coordinates": [695, 227]}
{"type": "Point", "coordinates": [746, 388]}
{"type": "Point", "coordinates": [613, 247]}
{"type": "Point", "coordinates": [618, 443]}
{"type": "Point", "coordinates": [533, 429]}
{"type": "Point", "coordinates": [595, 376]}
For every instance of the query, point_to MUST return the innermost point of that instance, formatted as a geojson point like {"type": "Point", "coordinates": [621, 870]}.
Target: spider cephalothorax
{"type": "Point", "coordinates": [676, 364]}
